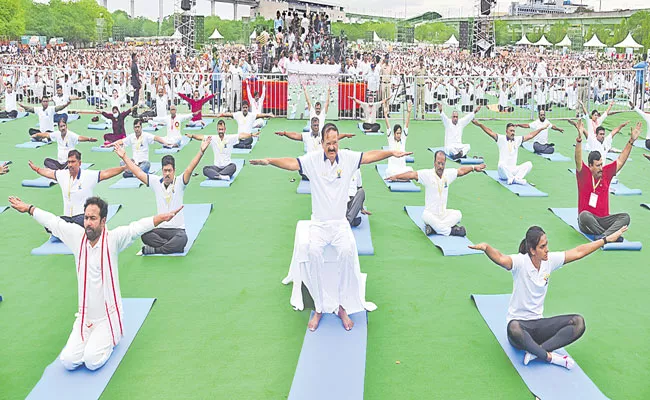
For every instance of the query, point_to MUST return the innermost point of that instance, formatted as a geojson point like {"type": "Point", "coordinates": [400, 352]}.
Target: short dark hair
{"type": "Point", "coordinates": [594, 112]}
{"type": "Point", "coordinates": [137, 121]}
{"type": "Point", "coordinates": [435, 155]}
{"type": "Point", "coordinates": [74, 153]}
{"type": "Point", "coordinates": [327, 128]}
{"type": "Point", "coordinates": [168, 160]}
{"type": "Point", "coordinates": [221, 122]}
{"type": "Point", "coordinates": [315, 119]}
{"type": "Point", "coordinates": [245, 103]}
{"type": "Point", "coordinates": [600, 128]}
{"type": "Point", "coordinates": [396, 127]}
{"type": "Point", "coordinates": [64, 120]}
{"type": "Point", "coordinates": [101, 204]}
{"type": "Point", "coordinates": [509, 124]}
{"type": "Point", "coordinates": [317, 104]}
{"type": "Point", "coordinates": [593, 157]}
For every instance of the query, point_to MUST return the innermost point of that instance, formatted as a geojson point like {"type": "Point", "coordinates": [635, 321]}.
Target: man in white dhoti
{"type": "Point", "coordinates": [99, 325]}
{"type": "Point", "coordinates": [454, 146]}
{"type": "Point", "coordinates": [330, 172]}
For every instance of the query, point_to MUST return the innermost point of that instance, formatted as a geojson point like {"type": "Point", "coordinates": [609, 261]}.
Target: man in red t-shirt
{"type": "Point", "coordinates": [593, 189]}
{"type": "Point", "coordinates": [196, 104]}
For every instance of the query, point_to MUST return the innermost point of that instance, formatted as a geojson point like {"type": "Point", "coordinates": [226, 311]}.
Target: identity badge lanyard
{"type": "Point", "coordinates": [168, 192]}
{"type": "Point", "coordinates": [593, 198]}
{"type": "Point", "coordinates": [441, 186]}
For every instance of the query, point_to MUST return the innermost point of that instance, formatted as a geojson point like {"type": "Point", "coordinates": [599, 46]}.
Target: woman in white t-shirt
{"type": "Point", "coordinates": [531, 268]}
{"type": "Point", "coordinates": [397, 141]}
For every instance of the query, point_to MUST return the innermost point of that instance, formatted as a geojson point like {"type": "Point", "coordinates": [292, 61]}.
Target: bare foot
{"type": "Point", "coordinates": [347, 322]}
{"type": "Point", "coordinates": [314, 321]}
{"type": "Point", "coordinates": [647, 156]}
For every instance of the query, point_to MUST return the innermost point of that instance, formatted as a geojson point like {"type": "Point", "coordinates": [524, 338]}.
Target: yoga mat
{"type": "Point", "coordinates": [196, 216]}
{"type": "Point", "coordinates": [332, 362]}
{"type": "Point", "coordinates": [207, 121]}
{"type": "Point", "coordinates": [551, 157]}
{"type": "Point", "coordinates": [43, 182]}
{"type": "Point", "coordinates": [520, 190]}
{"type": "Point", "coordinates": [58, 247]}
{"type": "Point", "coordinates": [149, 129]}
{"type": "Point", "coordinates": [32, 145]}
{"type": "Point", "coordinates": [21, 114]}
{"type": "Point", "coordinates": [450, 245]}
{"type": "Point", "coordinates": [640, 143]}
{"type": "Point", "coordinates": [304, 187]}
{"type": "Point", "coordinates": [360, 126]}
{"type": "Point", "coordinates": [71, 118]}
{"type": "Point", "coordinates": [245, 151]}
{"type": "Point", "coordinates": [59, 383]}
{"type": "Point", "coordinates": [102, 149]}
{"type": "Point", "coordinates": [570, 216]}
{"type": "Point", "coordinates": [614, 156]}
{"type": "Point", "coordinates": [134, 183]}
{"type": "Point", "coordinates": [363, 238]}
{"type": "Point", "coordinates": [219, 183]}
{"type": "Point", "coordinates": [462, 161]}
{"type": "Point", "coordinates": [396, 186]}
{"type": "Point", "coordinates": [3, 208]}
{"type": "Point", "coordinates": [544, 380]}
{"type": "Point", "coordinates": [99, 127]}
{"type": "Point", "coordinates": [409, 159]}
{"type": "Point", "coordinates": [171, 150]}
{"type": "Point", "coordinates": [617, 189]}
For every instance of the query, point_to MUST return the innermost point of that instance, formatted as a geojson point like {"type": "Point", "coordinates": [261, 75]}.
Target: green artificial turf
{"type": "Point", "coordinates": [223, 328]}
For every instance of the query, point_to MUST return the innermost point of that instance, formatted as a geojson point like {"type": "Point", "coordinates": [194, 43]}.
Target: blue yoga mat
{"type": "Point", "coordinates": [520, 190]}
{"type": "Point", "coordinates": [640, 143]}
{"type": "Point", "coordinates": [409, 159]}
{"type": "Point", "coordinates": [360, 126]}
{"type": "Point", "coordinates": [551, 157]}
{"type": "Point", "coordinates": [21, 114]}
{"type": "Point", "coordinates": [332, 360]}
{"type": "Point", "coordinates": [71, 118]}
{"type": "Point", "coordinates": [614, 156]}
{"type": "Point", "coordinates": [219, 183]}
{"type": "Point", "coordinates": [304, 187]}
{"type": "Point", "coordinates": [570, 216]}
{"type": "Point", "coordinates": [43, 182]}
{"type": "Point", "coordinates": [207, 121]}
{"type": "Point", "coordinates": [544, 380]}
{"type": "Point", "coordinates": [3, 208]}
{"type": "Point", "coordinates": [134, 183]}
{"type": "Point", "coordinates": [396, 186]}
{"type": "Point", "coordinates": [149, 128]}
{"type": "Point", "coordinates": [196, 216]}
{"type": "Point", "coordinates": [462, 161]}
{"type": "Point", "coordinates": [618, 188]}
{"type": "Point", "coordinates": [102, 149]}
{"type": "Point", "coordinates": [363, 238]}
{"type": "Point", "coordinates": [245, 151]}
{"type": "Point", "coordinates": [59, 383]}
{"type": "Point", "coordinates": [171, 150]}
{"type": "Point", "coordinates": [450, 245]}
{"type": "Point", "coordinates": [31, 145]}
{"type": "Point", "coordinates": [57, 247]}
{"type": "Point", "coordinates": [99, 127]}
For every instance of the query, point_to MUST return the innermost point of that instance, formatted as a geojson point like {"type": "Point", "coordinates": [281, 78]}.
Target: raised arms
{"type": "Point", "coordinates": [111, 172]}
{"type": "Point", "coordinates": [588, 248]}
{"type": "Point", "coordinates": [535, 132]}
{"type": "Point", "coordinates": [578, 151]}
{"type": "Point", "coordinates": [634, 135]}
{"type": "Point", "coordinates": [493, 254]}
{"type": "Point", "coordinates": [372, 156]}
{"type": "Point", "coordinates": [487, 130]}
{"type": "Point", "coordinates": [130, 165]}
{"type": "Point", "coordinates": [195, 161]}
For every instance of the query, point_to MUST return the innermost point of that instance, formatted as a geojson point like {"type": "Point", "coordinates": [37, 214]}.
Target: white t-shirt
{"type": "Point", "coordinates": [603, 148]}
{"type": "Point", "coordinates": [311, 142]}
{"type": "Point", "coordinates": [454, 133]}
{"type": "Point", "coordinates": [395, 162]}
{"type": "Point", "coordinates": [45, 118]}
{"type": "Point", "coordinates": [169, 199]}
{"type": "Point", "coordinates": [529, 285]}
{"type": "Point", "coordinates": [10, 101]}
{"type": "Point", "coordinates": [369, 112]}
{"type": "Point", "coordinates": [542, 137]}
{"type": "Point", "coordinates": [140, 146]}
{"type": "Point", "coordinates": [61, 100]}
{"type": "Point", "coordinates": [64, 145]}
{"type": "Point", "coordinates": [508, 150]}
{"type": "Point", "coordinates": [223, 149]}
{"type": "Point", "coordinates": [436, 188]}
{"type": "Point", "coordinates": [355, 183]}
{"type": "Point", "coordinates": [76, 190]}
{"type": "Point", "coordinates": [329, 182]}
{"type": "Point", "coordinates": [173, 125]}
{"type": "Point", "coordinates": [161, 106]}
{"type": "Point", "coordinates": [321, 117]}
{"type": "Point", "coordinates": [244, 122]}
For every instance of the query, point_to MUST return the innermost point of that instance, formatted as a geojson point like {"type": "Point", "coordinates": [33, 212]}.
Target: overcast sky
{"type": "Point", "coordinates": [149, 9]}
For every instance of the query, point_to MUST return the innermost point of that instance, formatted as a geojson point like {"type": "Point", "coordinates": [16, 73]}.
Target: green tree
{"type": "Point", "coordinates": [434, 32]}
{"type": "Point", "coordinates": [12, 18]}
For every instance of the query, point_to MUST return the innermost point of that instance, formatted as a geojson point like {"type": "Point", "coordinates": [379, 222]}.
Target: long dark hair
{"type": "Point", "coordinates": [533, 236]}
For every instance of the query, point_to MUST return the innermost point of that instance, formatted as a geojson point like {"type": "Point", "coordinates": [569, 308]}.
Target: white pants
{"type": "Point", "coordinates": [337, 235]}
{"type": "Point", "coordinates": [93, 351]}
{"type": "Point", "coordinates": [259, 123]}
{"type": "Point", "coordinates": [517, 172]}
{"type": "Point", "coordinates": [454, 149]}
{"type": "Point", "coordinates": [442, 223]}
{"type": "Point", "coordinates": [396, 170]}
{"type": "Point", "coordinates": [199, 122]}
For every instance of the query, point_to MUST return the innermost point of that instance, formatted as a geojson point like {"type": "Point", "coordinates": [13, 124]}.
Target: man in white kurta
{"type": "Point", "coordinates": [99, 322]}
{"type": "Point", "coordinates": [173, 122]}
{"type": "Point", "coordinates": [454, 126]}
{"type": "Point", "coordinates": [540, 143]}
{"type": "Point", "coordinates": [66, 141]}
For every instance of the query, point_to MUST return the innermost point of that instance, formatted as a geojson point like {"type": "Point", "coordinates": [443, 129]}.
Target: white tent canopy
{"type": "Point", "coordinates": [542, 42]}
{"type": "Point", "coordinates": [566, 42]}
{"type": "Point", "coordinates": [524, 40]}
{"type": "Point", "coordinates": [215, 35]}
{"type": "Point", "coordinates": [375, 38]}
{"type": "Point", "coordinates": [452, 41]}
{"type": "Point", "coordinates": [253, 35]}
{"type": "Point", "coordinates": [629, 43]}
{"type": "Point", "coordinates": [177, 35]}
{"type": "Point", "coordinates": [594, 42]}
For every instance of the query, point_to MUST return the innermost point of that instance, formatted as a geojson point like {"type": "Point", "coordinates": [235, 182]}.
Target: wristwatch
{"type": "Point", "coordinates": [604, 240]}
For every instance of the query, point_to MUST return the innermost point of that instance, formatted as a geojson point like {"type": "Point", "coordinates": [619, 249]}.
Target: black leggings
{"type": "Point", "coordinates": [647, 144]}
{"type": "Point", "coordinates": [544, 335]}
{"type": "Point", "coordinates": [371, 127]}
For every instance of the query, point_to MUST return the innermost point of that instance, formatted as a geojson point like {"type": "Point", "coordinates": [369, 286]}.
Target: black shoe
{"type": "Point", "coordinates": [458, 230]}
{"type": "Point", "coordinates": [356, 222]}
{"type": "Point", "coordinates": [429, 230]}
{"type": "Point", "coordinates": [459, 155]}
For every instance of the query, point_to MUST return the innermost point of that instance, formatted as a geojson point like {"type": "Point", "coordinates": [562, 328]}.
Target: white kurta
{"type": "Point", "coordinates": [454, 134]}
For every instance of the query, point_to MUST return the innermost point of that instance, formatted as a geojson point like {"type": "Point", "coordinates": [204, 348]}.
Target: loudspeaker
{"type": "Point", "coordinates": [463, 35]}
{"type": "Point", "coordinates": [186, 5]}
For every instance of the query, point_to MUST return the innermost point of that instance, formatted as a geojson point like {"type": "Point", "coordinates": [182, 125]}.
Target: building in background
{"type": "Point", "coordinates": [268, 8]}
{"type": "Point", "coordinates": [535, 7]}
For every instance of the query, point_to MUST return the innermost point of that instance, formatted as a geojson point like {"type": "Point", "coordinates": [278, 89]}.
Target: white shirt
{"type": "Point", "coordinates": [311, 142]}
{"type": "Point", "coordinates": [329, 182]}
{"type": "Point", "coordinates": [76, 190]}
{"type": "Point", "coordinates": [397, 162]}
{"type": "Point", "coordinates": [542, 137]}
{"type": "Point", "coordinates": [223, 149]}
{"type": "Point", "coordinates": [140, 146]}
{"type": "Point", "coordinates": [603, 148]}
{"type": "Point", "coordinates": [370, 111]}
{"type": "Point", "coordinates": [45, 118]}
{"type": "Point", "coordinates": [454, 133]}
{"type": "Point", "coordinates": [355, 184]}
{"type": "Point", "coordinates": [61, 100]}
{"type": "Point", "coordinates": [436, 188]}
{"type": "Point", "coordinates": [173, 124]}
{"type": "Point", "coordinates": [529, 285]}
{"type": "Point", "coordinates": [244, 122]}
{"type": "Point", "coordinates": [161, 106]}
{"type": "Point", "coordinates": [169, 199]}
{"type": "Point", "coordinates": [10, 101]}
{"type": "Point", "coordinates": [508, 150]}
{"type": "Point", "coordinates": [64, 145]}
{"type": "Point", "coordinates": [321, 117]}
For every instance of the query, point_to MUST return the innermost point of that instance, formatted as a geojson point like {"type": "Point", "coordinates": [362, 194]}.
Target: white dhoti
{"type": "Point", "coordinates": [518, 172]}
{"type": "Point", "coordinates": [93, 350]}
{"type": "Point", "coordinates": [325, 258]}
{"type": "Point", "coordinates": [259, 123]}
{"type": "Point", "coordinates": [442, 223]}
{"type": "Point", "coordinates": [173, 140]}
{"type": "Point", "coordinates": [453, 149]}
{"type": "Point", "coordinates": [197, 123]}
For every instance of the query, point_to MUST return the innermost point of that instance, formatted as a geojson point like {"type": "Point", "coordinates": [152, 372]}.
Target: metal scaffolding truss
{"type": "Point", "coordinates": [483, 39]}
{"type": "Point", "coordinates": [184, 22]}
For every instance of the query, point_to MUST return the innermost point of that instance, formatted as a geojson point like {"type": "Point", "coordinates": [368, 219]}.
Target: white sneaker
{"type": "Point", "coordinates": [520, 181]}
{"type": "Point", "coordinates": [563, 361]}
{"type": "Point", "coordinates": [510, 180]}
{"type": "Point", "coordinates": [224, 177]}
{"type": "Point", "coordinates": [528, 357]}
